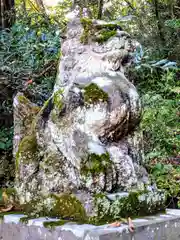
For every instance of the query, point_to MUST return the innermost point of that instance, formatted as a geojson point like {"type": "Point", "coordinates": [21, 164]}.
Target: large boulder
{"type": "Point", "coordinates": [85, 139]}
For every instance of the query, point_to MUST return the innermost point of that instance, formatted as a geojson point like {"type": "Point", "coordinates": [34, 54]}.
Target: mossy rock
{"type": "Point", "coordinates": [125, 207]}
{"type": "Point", "coordinates": [28, 113]}
{"type": "Point", "coordinates": [93, 94]}
{"type": "Point", "coordinates": [95, 164]}
{"type": "Point", "coordinates": [8, 197]}
{"type": "Point", "coordinates": [88, 26]}
{"type": "Point", "coordinates": [28, 144]}
{"type": "Point", "coordinates": [34, 208]}
{"type": "Point", "coordinates": [98, 32]}
{"type": "Point", "coordinates": [33, 108]}
{"type": "Point", "coordinates": [52, 162]}
{"type": "Point", "coordinates": [103, 35]}
{"type": "Point", "coordinates": [23, 100]}
{"type": "Point", "coordinates": [64, 206]}
{"type": "Point", "coordinates": [68, 207]}
{"type": "Point", "coordinates": [27, 151]}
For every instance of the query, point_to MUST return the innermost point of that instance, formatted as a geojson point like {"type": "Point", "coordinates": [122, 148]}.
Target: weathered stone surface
{"type": "Point", "coordinates": [89, 142]}
{"type": "Point", "coordinates": [159, 227]}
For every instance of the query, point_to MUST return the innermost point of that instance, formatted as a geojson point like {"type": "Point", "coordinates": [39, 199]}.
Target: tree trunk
{"type": "Point", "coordinates": [159, 22]}
{"type": "Point", "coordinates": [7, 13]}
{"type": "Point", "coordinates": [100, 8]}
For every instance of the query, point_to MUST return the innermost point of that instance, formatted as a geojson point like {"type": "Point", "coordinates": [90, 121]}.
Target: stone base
{"type": "Point", "coordinates": [157, 227]}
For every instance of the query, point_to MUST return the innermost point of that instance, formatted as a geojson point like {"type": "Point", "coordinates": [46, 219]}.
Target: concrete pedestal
{"type": "Point", "coordinates": [159, 227]}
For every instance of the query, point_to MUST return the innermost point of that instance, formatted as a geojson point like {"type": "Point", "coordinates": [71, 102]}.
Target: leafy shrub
{"type": "Point", "coordinates": [173, 23]}
{"type": "Point", "coordinates": [160, 121]}
{"type": "Point", "coordinates": [30, 51]}
{"type": "Point", "coordinates": [6, 138]}
{"type": "Point", "coordinates": [167, 177]}
{"type": "Point", "coordinates": [160, 126]}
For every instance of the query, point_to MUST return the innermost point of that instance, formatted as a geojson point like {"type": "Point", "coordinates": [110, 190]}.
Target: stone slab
{"type": "Point", "coordinates": [40, 221]}
{"type": "Point", "coordinates": [160, 227]}
{"type": "Point", "coordinates": [13, 218]}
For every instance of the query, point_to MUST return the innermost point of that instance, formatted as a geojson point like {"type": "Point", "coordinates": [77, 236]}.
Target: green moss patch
{"type": "Point", "coordinates": [69, 207]}
{"type": "Point", "coordinates": [10, 191]}
{"type": "Point", "coordinates": [103, 35]}
{"type": "Point", "coordinates": [88, 26]}
{"type": "Point", "coordinates": [95, 164]}
{"type": "Point", "coordinates": [94, 94]}
{"type": "Point", "coordinates": [54, 224]}
{"type": "Point", "coordinates": [57, 100]}
{"type": "Point", "coordinates": [97, 32]}
{"type": "Point", "coordinates": [109, 26]}
{"type": "Point", "coordinates": [27, 151]}
{"type": "Point", "coordinates": [64, 206]}
{"type": "Point", "coordinates": [28, 144]}
{"type": "Point", "coordinates": [23, 100]}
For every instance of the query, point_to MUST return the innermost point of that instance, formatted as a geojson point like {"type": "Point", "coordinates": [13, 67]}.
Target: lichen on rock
{"type": "Point", "coordinates": [137, 203]}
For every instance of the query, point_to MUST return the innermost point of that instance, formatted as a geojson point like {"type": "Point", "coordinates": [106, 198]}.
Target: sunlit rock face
{"type": "Point", "coordinates": [86, 137]}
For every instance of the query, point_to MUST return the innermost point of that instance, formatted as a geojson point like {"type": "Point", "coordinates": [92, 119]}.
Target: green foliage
{"type": "Point", "coordinates": [161, 106]}
{"type": "Point", "coordinates": [155, 80]}
{"type": "Point", "coordinates": [160, 125]}
{"type": "Point", "coordinates": [30, 50]}
{"type": "Point", "coordinates": [6, 136]}
{"type": "Point", "coordinates": [159, 91]}
{"type": "Point", "coordinates": [173, 23]}
{"type": "Point", "coordinates": [167, 177]}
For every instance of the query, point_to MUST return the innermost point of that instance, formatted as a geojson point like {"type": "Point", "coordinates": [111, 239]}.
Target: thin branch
{"type": "Point", "coordinates": [43, 72]}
